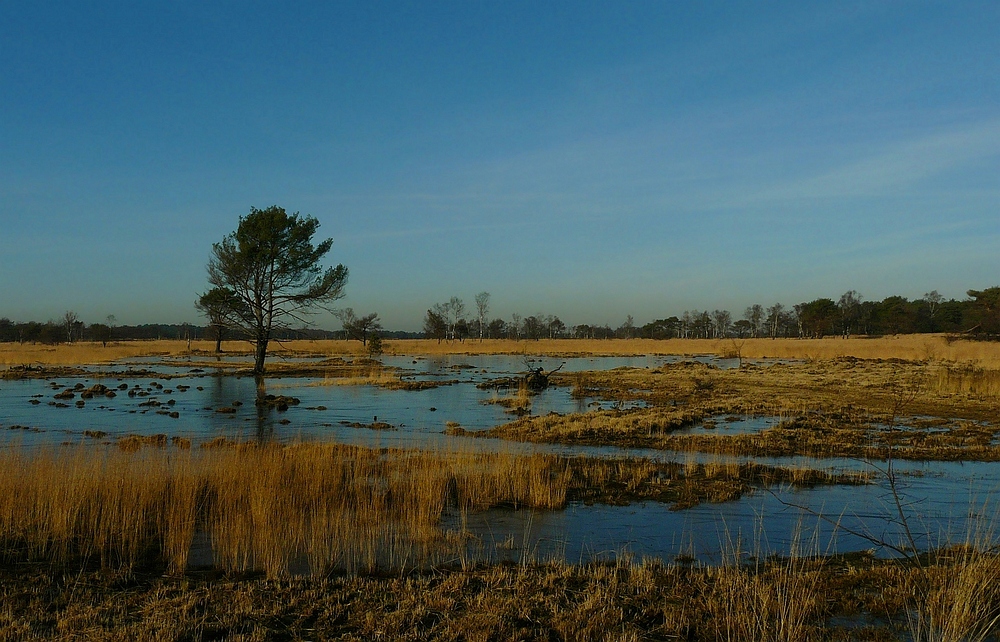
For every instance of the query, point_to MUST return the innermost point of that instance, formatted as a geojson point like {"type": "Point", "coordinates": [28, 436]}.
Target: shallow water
{"type": "Point", "coordinates": [419, 416]}
{"type": "Point", "coordinates": [729, 425]}
{"type": "Point", "coordinates": [944, 500]}
{"type": "Point", "coordinates": [821, 520]}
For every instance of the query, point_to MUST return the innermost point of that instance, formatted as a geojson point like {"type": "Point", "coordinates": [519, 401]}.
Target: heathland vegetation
{"type": "Point", "coordinates": [152, 537]}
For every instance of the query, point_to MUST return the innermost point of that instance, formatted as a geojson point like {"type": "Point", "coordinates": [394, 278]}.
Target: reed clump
{"type": "Point", "coordinates": [262, 507]}
{"type": "Point", "coordinates": [517, 402]}
{"type": "Point", "coordinates": [959, 596]}
{"type": "Point", "coordinates": [312, 507]}
{"type": "Point", "coordinates": [778, 601]}
{"type": "Point", "coordinates": [966, 380]}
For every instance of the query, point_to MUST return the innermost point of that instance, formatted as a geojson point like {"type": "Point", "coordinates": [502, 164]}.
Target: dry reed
{"type": "Point", "coordinates": [263, 508]}
{"type": "Point", "coordinates": [516, 401]}
{"type": "Point", "coordinates": [320, 507]}
{"type": "Point", "coordinates": [959, 598]}
{"type": "Point", "coordinates": [777, 602]}
{"type": "Point", "coordinates": [967, 381]}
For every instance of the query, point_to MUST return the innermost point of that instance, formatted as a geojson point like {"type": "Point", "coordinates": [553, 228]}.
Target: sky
{"type": "Point", "coordinates": [585, 159]}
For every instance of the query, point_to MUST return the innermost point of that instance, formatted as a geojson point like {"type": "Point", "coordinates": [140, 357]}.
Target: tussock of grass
{"type": "Point", "coordinates": [960, 597]}
{"type": "Point", "coordinates": [517, 402]}
{"type": "Point", "coordinates": [772, 602]}
{"type": "Point", "coordinates": [685, 485]}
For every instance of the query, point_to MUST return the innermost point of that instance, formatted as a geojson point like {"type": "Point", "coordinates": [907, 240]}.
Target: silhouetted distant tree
{"type": "Point", "coordinates": [462, 330]}
{"type": "Point", "coordinates": [100, 332]}
{"type": "Point", "coordinates": [754, 315]}
{"type": "Point", "coordinates": [70, 321]}
{"type": "Point", "coordinates": [774, 319]}
{"type": "Point", "coordinates": [894, 314]}
{"type": "Point", "coordinates": [52, 333]}
{"type": "Point", "coordinates": [216, 305]}
{"type": "Point", "coordinates": [482, 309]}
{"type": "Point", "coordinates": [533, 328]}
{"type": "Point", "coordinates": [721, 320]}
{"type": "Point", "coordinates": [555, 326]}
{"type": "Point", "coordinates": [933, 301]}
{"type": "Point", "coordinates": [743, 329]}
{"type": "Point", "coordinates": [849, 305]}
{"type": "Point", "coordinates": [435, 326]}
{"type": "Point", "coordinates": [985, 311]}
{"type": "Point", "coordinates": [451, 312]}
{"type": "Point", "coordinates": [496, 329]}
{"type": "Point", "coordinates": [375, 347]}
{"type": "Point", "coordinates": [818, 317]}
{"type": "Point", "coordinates": [356, 327]}
{"type": "Point", "coordinates": [112, 322]}
{"type": "Point", "coordinates": [661, 329]}
{"type": "Point", "coordinates": [514, 327]}
{"type": "Point", "coordinates": [8, 330]}
{"type": "Point", "coordinates": [627, 329]}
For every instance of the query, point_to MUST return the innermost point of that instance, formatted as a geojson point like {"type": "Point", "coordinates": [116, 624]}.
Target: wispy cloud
{"type": "Point", "coordinates": [896, 166]}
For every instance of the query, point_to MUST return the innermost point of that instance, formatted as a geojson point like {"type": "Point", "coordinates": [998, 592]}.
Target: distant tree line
{"type": "Point", "coordinates": [72, 329]}
{"type": "Point", "coordinates": [850, 314]}
{"type": "Point", "coordinates": [977, 315]}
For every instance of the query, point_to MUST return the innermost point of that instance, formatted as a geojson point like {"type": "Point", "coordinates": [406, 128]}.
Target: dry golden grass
{"type": "Point", "coordinates": [827, 408]}
{"type": "Point", "coordinates": [960, 601]}
{"type": "Point", "coordinates": [14, 354]}
{"type": "Point", "coordinates": [966, 380]}
{"type": "Point", "coordinates": [325, 506]}
{"type": "Point", "coordinates": [516, 401]}
{"type": "Point", "coordinates": [916, 347]}
{"type": "Point", "coordinates": [87, 352]}
{"type": "Point", "coordinates": [355, 509]}
{"type": "Point", "coordinates": [776, 602]}
{"type": "Point", "coordinates": [349, 375]}
{"type": "Point", "coordinates": [263, 507]}
{"type": "Point", "coordinates": [910, 347]}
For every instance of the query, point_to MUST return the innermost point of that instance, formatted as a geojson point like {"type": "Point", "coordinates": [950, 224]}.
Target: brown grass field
{"type": "Point", "coordinates": [917, 347]}
{"type": "Point", "coordinates": [951, 599]}
{"type": "Point", "coordinates": [841, 407]}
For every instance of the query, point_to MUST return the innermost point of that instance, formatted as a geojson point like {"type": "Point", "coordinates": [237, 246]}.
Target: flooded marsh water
{"type": "Point", "coordinates": [945, 500]}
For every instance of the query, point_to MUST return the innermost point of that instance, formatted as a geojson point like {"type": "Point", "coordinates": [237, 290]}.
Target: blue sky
{"type": "Point", "coordinates": [586, 159]}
